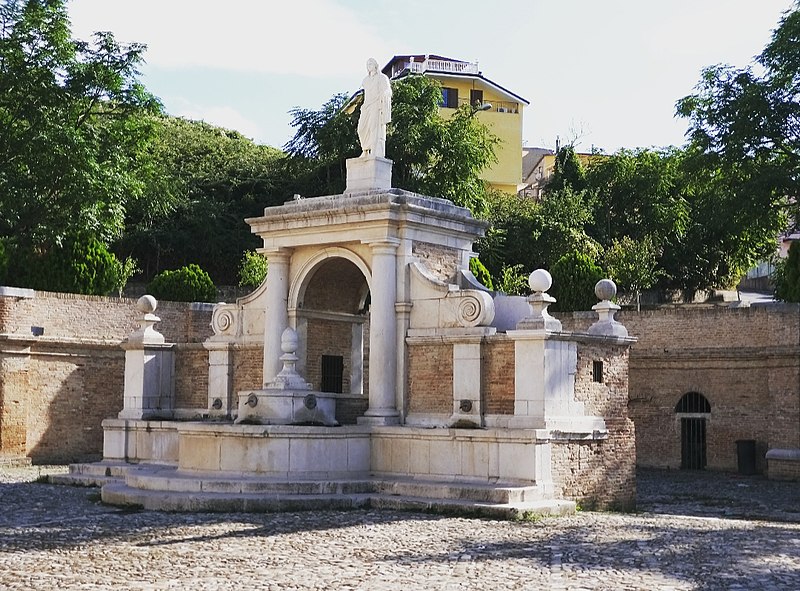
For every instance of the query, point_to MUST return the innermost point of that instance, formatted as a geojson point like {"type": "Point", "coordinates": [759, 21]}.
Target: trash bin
{"type": "Point", "coordinates": [746, 456]}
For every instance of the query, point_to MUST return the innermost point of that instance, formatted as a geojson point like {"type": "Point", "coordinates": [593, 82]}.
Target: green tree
{"type": "Point", "coordinates": [480, 272]}
{"type": "Point", "coordinates": [574, 277]}
{"type": "Point", "coordinates": [633, 265]}
{"type": "Point", "coordinates": [568, 171]}
{"type": "Point", "coordinates": [71, 130]}
{"type": "Point", "coordinates": [80, 264]}
{"type": "Point", "coordinates": [432, 155]}
{"type": "Point", "coordinates": [744, 131]}
{"type": "Point", "coordinates": [638, 193]}
{"type": "Point", "coordinates": [513, 280]}
{"type": "Point", "coordinates": [253, 269]}
{"type": "Point", "coordinates": [787, 276]}
{"type": "Point", "coordinates": [535, 234]}
{"type": "Point", "coordinates": [205, 181]}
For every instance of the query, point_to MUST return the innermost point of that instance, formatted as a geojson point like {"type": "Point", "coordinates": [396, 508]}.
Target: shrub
{"type": "Point", "coordinates": [481, 273]}
{"type": "Point", "coordinates": [187, 284]}
{"type": "Point", "coordinates": [82, 264]}
{"type": "Point", "coordinates": [574, 277]}
{"type": "Point", "coordinates": [252, 269]}
{"type": "Point", "coordinates": [787, 275]}
{"type": "Point", "coordinates": [513, 281]}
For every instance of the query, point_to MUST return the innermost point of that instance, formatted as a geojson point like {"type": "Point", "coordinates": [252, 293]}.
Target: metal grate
{"type": "Point", "coordinates": [597, 372]}
{"type": "Point", "coordinates": [693, 443]}
{"type": "Point", "coordinates": [332, 373]}
{"type": "Point", "coordinates": [693, 402]}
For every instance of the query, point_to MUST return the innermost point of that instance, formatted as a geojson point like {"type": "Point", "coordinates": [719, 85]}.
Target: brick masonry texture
{"type": "Point", "coordinates": [191, 376]}
{"type": "Point", "coordinates": [497, 375]}
{"type": "Point", "coordinates": [430, 378]}
{"type": "Point", "coordinates": [744, 361]}
{"type": "Point", "coordinates": [600, 474]}
{"type": "Point", "coordinates": [56, 389]}
{"type": "Point", "coordinates": [248, 368]}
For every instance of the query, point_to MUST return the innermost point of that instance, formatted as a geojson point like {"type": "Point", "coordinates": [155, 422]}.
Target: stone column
{"type": "Point", "coordinates": [383, 336]}
{"type": "Point", "coordinates": [276, 317]}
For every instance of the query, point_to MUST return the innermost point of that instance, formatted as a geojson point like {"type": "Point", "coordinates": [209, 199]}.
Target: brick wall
{"type": "Point", "coordinates": [64, 315]}
{"type": "Point", "coordinates": [430, 378]}
{"type": "Point", "coordinates": [744, 361]}
{"type": "Point", "coordinates": [56, 389]}
{"type": "Point", "coordinates": [497, 375]}
{"type": "Point", "coordinates": [784, 470]}
{"type": "Point", "coordinates": [71, 389]}
{"type": "Point", "coordinates": [248, 368]}
{"type": "Point", "coordinates": [598, 474]}
{"type": "Point", "coordinates": [328, 337]}
{"type": "Point", "coordinates": [191, 376]}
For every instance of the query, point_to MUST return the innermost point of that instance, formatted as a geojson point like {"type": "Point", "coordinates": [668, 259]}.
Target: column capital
{"type": "Point", "coordinates": [386, 246]}
{"type": "Point", "coordinates": [276, 255]}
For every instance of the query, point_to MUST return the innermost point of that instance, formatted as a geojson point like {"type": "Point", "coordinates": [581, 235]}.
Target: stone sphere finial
{"type": "Point", "coordinates": [147, 304]}
{"type": "Point", "coordinates": [540, 280]}
{"type": "Point", "coordinates": [605, 289]}
{"type": "Point", "coordinates": [289, 340]}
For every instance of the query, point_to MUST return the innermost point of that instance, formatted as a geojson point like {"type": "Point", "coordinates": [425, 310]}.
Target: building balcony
{"type": "Point", "coordinates": [497, 106]}
{"type": "Point", "coordinates": [450, 67]}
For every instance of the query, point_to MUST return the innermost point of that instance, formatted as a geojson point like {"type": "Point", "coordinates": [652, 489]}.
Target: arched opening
{"type": "Point", "coordinates": [333, 324]}
{"type": "Point", "coordinates": [693, 409]}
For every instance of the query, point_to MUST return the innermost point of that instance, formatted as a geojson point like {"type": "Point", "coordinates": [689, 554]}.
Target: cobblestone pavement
{"type": "Point", "coordinates": [694, 531]}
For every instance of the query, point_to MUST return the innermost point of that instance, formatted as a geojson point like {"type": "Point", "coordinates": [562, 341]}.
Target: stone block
{"type": "Point", "coordinates": [368, 174]}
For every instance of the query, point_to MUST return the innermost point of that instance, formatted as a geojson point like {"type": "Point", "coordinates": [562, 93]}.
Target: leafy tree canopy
{"type": "Point", "coordinates": [204, 181]}
{"type": "Point", "coordinates": [71, 130]}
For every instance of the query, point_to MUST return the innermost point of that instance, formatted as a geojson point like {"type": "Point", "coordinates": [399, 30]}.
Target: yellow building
{"type": "Point", "coordinates": [538, 167]}
{"type": "Point", "coordinates": [501, 110]}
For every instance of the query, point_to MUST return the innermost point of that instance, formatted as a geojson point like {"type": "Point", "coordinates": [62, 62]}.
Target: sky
{"type": "Point", "coordinates": [603, 74]}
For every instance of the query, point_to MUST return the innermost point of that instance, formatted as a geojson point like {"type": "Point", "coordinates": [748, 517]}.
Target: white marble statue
{"type": "Point", "coordinates": [376, 111]}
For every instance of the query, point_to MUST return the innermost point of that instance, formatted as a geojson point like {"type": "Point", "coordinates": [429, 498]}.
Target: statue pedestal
{"type": "Point", "coordinates": [368, 173]}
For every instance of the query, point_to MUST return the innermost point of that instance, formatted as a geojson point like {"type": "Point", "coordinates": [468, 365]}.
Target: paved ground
{"type": "Point", "coordinates": [694, 531]}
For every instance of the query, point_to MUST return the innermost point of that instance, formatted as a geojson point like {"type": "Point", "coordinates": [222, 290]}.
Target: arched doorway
{"type": "Point", "coordinates": [332, 318]}
{"type": "Point", "coordinates": [693, 410]}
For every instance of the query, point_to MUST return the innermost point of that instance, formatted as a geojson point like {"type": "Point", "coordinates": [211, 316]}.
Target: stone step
{"type": "Point", "coordinates": [519, 510]}
{"type": "Point", "coordinates": [478, 492]}
{"type": "Point", "coordinates": [121, 494]}
{"type": "Point", "coordinates": [168, 479]}
{"type": "Point", "coordinates": [93, 474]}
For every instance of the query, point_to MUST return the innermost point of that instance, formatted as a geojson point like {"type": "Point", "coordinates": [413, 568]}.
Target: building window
{"type": "Point", "coordinates": [597, 372]}
{"type": "Point", "coordinates": [475, 97]}
{"type": "Point", "coordinates": [332, 374]}
{"type": "Point", "coordinates": [449, 98]}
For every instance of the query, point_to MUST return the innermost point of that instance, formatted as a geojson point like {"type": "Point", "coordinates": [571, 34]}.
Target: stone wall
{"type": "Point", "coordinates": [441, 262]}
